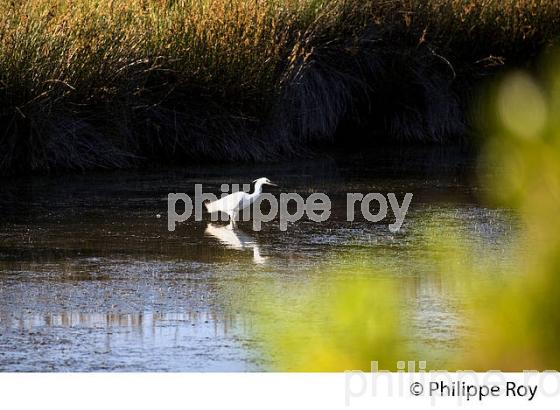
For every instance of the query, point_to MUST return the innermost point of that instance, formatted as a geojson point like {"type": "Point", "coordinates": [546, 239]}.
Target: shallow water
{"type": "Point", "coordinates": [91, 279]}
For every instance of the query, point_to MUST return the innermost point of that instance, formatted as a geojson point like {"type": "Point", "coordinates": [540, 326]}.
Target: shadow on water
{"type": "Point", "coordinates": [91, 279]}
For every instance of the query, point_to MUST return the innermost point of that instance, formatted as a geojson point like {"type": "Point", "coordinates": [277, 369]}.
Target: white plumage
{"type": "Point", "coordinates": [233, 203]}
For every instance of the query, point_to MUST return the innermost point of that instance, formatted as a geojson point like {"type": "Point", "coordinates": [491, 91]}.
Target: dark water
{"type": "Point", "coordinates": [91, 279]}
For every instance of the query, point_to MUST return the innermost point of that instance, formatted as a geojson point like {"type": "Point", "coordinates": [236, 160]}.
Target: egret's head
{"type": "Point", "coordinates": [263, 181]}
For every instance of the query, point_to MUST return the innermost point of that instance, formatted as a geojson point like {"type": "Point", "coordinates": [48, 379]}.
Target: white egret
{"type": "Point", "coordinates": [233, 203]}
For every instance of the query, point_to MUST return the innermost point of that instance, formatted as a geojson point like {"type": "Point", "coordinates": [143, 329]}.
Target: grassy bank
{"type": "Point", "coordinates": [103, 83]}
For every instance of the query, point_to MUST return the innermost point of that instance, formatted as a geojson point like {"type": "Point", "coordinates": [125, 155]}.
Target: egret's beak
{"type": "Point", "coordinates": [270, 183]}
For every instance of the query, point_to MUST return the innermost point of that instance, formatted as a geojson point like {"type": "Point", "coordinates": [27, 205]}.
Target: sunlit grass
{"type": "Point", "coordinates": [231, 45]}
{"type": "Point", "coordinates": [89, 83]}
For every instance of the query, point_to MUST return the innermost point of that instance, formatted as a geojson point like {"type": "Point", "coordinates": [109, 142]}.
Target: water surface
{"type": "Point", "coordinates": [92, 280]}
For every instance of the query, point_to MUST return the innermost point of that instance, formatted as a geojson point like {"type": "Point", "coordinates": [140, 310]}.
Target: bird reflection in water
{"type": "Point", "coordinates": [236, 239]}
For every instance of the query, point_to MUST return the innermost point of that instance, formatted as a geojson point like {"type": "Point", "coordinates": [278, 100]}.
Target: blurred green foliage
{"type": "Point", "coordinates": [335, 327]}
{"type": "Point", "coordinates": [518, 320]}
{"type": "Point", "coordinates": [510, 301]}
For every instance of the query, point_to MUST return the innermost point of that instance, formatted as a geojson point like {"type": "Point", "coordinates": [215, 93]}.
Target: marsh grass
{"type": "Point", "coordinates": [105, 83]}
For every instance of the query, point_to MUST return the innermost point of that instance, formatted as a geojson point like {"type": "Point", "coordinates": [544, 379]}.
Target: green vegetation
{"type": "Point", "coordinates": [106, 83]}
{"type": "Point", "coordinates": [343, 324]}
{"type": "Point", "coordinates": [509, 298]}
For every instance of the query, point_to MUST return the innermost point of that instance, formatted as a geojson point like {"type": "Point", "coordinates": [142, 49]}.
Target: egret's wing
{"type": "Point", "coordinates": [213, 206]}
{"type": "Point", "coordinates": [235, 200]}
{"type": "Point", "coordinates": [226, 204]}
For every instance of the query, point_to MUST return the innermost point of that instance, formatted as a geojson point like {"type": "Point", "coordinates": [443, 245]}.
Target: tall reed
{"type": "Point", "coordinates": [109, 83]}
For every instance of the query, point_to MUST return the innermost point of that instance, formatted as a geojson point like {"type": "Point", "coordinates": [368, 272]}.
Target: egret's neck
{"type": "Point", "coordinates": [258, 188]}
